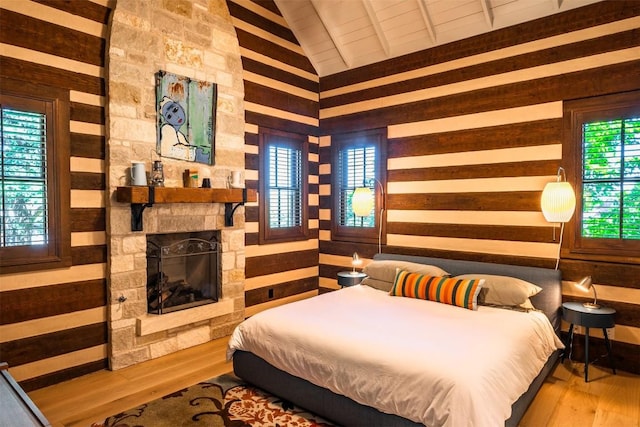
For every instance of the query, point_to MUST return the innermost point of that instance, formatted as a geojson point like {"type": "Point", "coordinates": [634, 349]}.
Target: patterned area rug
{"type": "Point", "coordinates": [221, 401]}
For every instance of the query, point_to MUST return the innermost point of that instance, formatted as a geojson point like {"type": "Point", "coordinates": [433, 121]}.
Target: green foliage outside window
{"type": "Point", "coordinates": [611, 179]}
{"type": "Point", "coordinates": [23, 178]}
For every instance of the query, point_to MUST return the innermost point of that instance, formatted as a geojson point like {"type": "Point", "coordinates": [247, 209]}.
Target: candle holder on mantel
{"type": "Point", "coordinates": [157, 174]}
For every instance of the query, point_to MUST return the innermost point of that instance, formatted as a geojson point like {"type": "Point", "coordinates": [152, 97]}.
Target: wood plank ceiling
{"type": "Point", "coordinates": [339, 35]}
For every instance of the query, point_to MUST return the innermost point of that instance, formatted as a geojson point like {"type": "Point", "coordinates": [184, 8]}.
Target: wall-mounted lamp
{"type": "Point", "coordinates": [363, 200]}
{"type": "Point", "coordinates": [355, 262]}
{"type": "Point", "coordinates": [585, 284]}
{"type": "Point", "coordinates": [558, 200]}
{"type": "Point", "coordinates": [558, 203]}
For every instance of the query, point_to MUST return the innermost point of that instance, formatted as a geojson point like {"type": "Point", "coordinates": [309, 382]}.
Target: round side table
{"type": "Point", "coordinates": [350, 278]}
{"type": "Point", "coordinates": [577, 314]}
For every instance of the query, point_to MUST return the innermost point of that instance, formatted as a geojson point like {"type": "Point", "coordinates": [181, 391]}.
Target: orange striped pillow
{"type": "Point", "coordinates": [446, 290]}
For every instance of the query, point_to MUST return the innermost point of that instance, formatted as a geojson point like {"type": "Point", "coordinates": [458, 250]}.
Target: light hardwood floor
{"type": "Point", "coordinates": [565, 399]}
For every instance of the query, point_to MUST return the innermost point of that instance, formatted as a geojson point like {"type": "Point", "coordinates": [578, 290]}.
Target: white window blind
{"type": "Point", "coordinates": [23, 178]}
{"type": "Point", "coordinates": [611, 179]}
{"type": "Point", "coordinates": [356, 168]}
{"type": "Point", "coordinates": [285, 186]}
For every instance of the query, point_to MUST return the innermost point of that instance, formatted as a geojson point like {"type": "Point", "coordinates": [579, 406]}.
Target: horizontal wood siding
{"type": "Point", "coordinates": [53, 324]}
{"type": "Point", "coordinates": [474, 132]}
{"type": "Point", "coordinates": [32, 349]}
{"type": "Point", "coordinates": [282, 93]}
{"type": "Point", "coordinates": [56, 40]}
{"type": "Point", "coordinates": [47, 301]}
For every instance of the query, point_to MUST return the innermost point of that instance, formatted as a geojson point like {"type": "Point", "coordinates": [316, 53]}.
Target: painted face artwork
{"type": "Point", "coordinates": [185, 118]}
{"type": "Point", "coordinates": [174, 114]}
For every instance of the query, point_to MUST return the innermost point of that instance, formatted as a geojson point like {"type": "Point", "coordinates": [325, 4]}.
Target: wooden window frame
{"type": "Point", "coordinates": [378, 137]}
{"type": "Point", "coordinates": [57, 252]}
{"type": "Point", "coordinates": [266, 233]}
{"type": "Point", "coordinates": [577, 112]}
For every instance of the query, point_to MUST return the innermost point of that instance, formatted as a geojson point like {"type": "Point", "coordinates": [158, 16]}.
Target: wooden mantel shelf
{"type": "Point", "coordinates": [141, 198]}
{"type": "Point", "coordinates": [184, 195]}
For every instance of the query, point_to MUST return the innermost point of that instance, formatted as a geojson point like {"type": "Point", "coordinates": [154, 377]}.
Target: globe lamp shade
{"type": "Point", "coordinates": [362, 201]}
{"type": "Point", "coordinates": [558, 201]}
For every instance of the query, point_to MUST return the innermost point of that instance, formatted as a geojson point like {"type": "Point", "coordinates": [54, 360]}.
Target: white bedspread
{"type": "Point", "coordinates": [429, 362]}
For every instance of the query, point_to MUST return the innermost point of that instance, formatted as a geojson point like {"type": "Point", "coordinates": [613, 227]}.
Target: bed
{"type": "Point", "coordinates": [380, 360]}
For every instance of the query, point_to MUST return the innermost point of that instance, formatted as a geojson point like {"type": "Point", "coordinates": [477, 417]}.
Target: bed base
{"type": "Point", "coordinates": [321, 401]}
{"type": "Point", "coordinates": [342, 410]}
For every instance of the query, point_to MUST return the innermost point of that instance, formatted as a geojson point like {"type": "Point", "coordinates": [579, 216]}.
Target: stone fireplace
{"type": "Point", "coordinates": [193, 38]}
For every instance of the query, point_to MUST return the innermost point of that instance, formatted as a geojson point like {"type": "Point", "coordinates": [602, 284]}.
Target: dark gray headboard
{"type": "Point", "coordinates": [549, 300]}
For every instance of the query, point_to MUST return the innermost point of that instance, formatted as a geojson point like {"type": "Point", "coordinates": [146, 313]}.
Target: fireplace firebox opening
{"type": "Point", "coordinates": [183, 270]}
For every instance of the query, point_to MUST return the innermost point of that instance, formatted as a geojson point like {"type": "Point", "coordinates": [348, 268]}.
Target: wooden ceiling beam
{"type": "Point", "coordinates": [373, 18]}
{"type": "Point", "coordinates": [427, 20]}
{"type": "Point", "coordinates": [488, 12]}
{"type": "Point", "coordinates": [331, 32]}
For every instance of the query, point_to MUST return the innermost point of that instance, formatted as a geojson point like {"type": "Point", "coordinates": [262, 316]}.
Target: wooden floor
{"type": "Point", "coordinates": [565, 400]}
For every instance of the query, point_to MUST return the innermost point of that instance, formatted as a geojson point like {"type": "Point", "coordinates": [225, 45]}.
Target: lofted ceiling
{"type": "Point", "coordinates": [339, 35]}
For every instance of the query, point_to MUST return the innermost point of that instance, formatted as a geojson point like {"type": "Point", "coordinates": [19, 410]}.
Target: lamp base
{"type": "Point", "coordinates": [591, 305]}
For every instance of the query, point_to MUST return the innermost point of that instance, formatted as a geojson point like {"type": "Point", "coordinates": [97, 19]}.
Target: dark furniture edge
{"type": "Point", "coordinates": [22, 395]}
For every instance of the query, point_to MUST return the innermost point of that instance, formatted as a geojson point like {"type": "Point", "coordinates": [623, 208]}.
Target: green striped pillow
{"type": "Point", "coordinates": [446, 290]}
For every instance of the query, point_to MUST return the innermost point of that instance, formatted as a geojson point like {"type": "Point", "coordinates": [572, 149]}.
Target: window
{"type": "Point", "coordinates": [283, 187]}
{"type": "Point", "coordinates": [359, 159]}
{"type": "Point", "coordinates": [34, 177]}
{"type": "Point", "coordinates": [605, 145]}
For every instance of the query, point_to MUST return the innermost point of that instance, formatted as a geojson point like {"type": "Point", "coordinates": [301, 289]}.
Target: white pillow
{"type": "Point", "coordinates": [385, 270]}
{"type": "Point", "coordinates": [503, 290]}
{"type": "Point", "coordinates": [377, 284]}
{"type": "Point", "coordinates": [382, 273]}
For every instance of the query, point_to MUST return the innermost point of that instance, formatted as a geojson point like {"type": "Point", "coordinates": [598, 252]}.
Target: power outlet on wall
{"type": "Point", "coordinates": [577, 329]}
{"type": "Point", "coordinates": [611, 332]}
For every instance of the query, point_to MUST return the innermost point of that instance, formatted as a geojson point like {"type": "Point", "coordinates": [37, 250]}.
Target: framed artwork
{"type": "Point", "coordinates": [186, 118]}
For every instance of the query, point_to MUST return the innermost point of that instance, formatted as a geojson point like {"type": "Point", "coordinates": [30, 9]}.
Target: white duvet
{"type": "Point", "coordinates": [429, 362]}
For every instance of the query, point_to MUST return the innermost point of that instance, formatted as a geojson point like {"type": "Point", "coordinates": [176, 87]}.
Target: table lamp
{"type": "Point", "coordinates": [355, 262]}
{"type": "Point", "coordinates": [586, 284]}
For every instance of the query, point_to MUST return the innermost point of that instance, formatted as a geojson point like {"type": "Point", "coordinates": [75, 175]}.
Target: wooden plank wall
{"type": "Point", "coordinates": [474, 133]}
{"type": "Point", "coordinates": [53, 323]}
{"type": "Point", "coordinates": [281, 92]}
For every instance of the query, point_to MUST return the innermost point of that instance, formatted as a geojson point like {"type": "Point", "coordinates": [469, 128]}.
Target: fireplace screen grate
{"type": "Point", "coordinates": [182, 274]}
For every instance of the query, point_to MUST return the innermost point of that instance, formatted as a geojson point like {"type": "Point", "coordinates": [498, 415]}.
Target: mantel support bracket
{"type": "Point", "coordinates": [229, 209]}
{"type": "Point", "coordinates": [138, 208]}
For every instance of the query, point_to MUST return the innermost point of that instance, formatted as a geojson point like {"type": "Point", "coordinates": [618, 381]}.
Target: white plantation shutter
{"type": "Point", "coordinates": [356, 168]}
{"type": "Point", "coordinates": [23, 178]}
{"type": "Point", "coordinates": [35, 226]}
{"type": "Point", "coordinates": [284, 182]}
{"type": "Point", "coordinates": [358, 159]}
{"type": "Point", "coordinates": [285, 186]}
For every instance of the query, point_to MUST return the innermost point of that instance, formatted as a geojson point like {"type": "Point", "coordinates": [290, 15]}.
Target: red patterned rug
{"type": "Point", "coordinates": [221, 401]}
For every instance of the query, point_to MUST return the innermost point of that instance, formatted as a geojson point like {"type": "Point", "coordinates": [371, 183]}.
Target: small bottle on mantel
{"type": "Point", "coordinates": [190, 178]}
{"type": "Point", "coordinates": [193, 178]}
{"type": "Point", "coordinates": [157, 174]}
